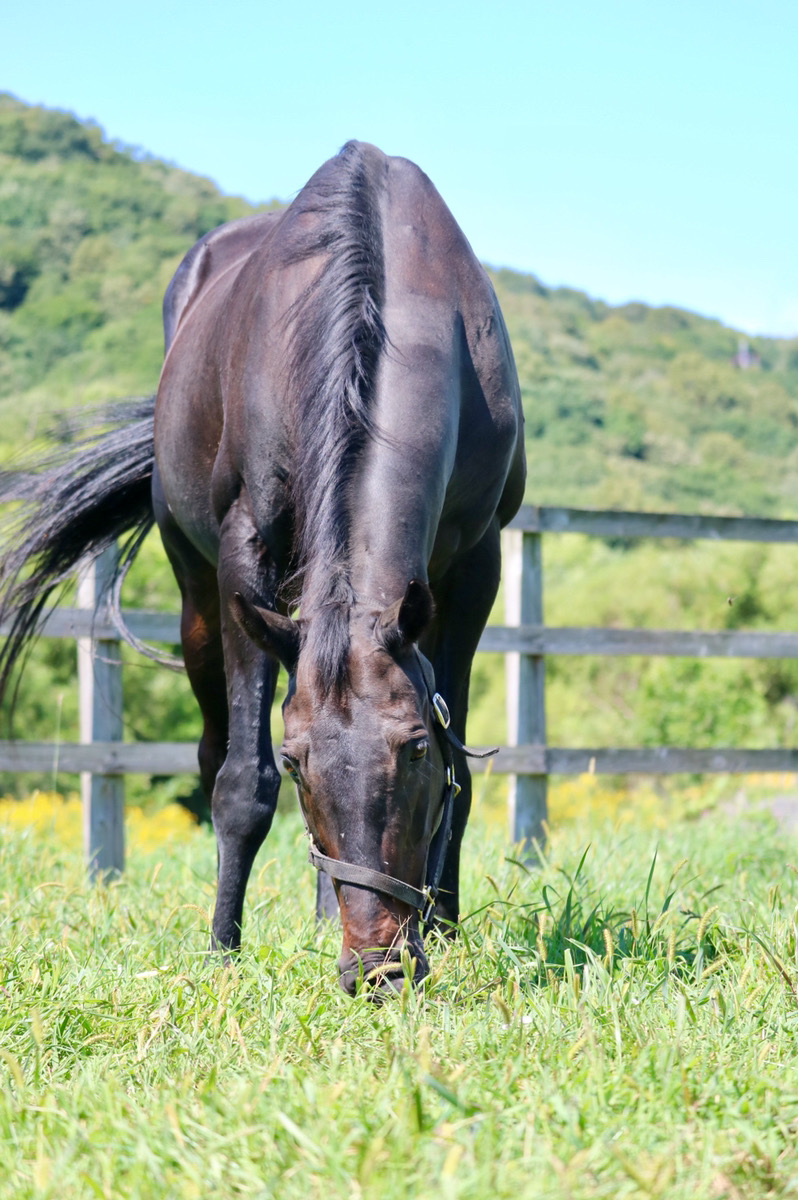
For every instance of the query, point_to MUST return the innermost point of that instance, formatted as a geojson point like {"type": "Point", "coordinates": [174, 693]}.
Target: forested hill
{"type": "Point", "coordinates": [631, 407]}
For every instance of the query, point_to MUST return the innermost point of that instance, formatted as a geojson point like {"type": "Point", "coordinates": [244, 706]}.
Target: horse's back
{"type": "Point", "coordinates": [218, 252]}
{"type": "Point", "coordinates": [436, 288]}
{"type": "Point", "coordinates": [189, 414]}
{"type": "Point", "coordinates": [442, 310]}
{"type": "Point", "coordinates": [236, 346]}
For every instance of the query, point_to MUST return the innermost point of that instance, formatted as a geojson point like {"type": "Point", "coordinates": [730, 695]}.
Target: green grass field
{"type": "Point", "coordinates": [620, 1023]}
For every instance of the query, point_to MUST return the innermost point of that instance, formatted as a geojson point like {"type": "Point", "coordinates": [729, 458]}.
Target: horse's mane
{"type": "Point", "coordinates": [336, 338]}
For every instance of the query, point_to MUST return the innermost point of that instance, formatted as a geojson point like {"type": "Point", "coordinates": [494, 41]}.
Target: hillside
{"type": "Point", "coordinates": [639, 407]}
{"type": "Point", "coordinates": [630, 407]}
{"type": "Point", "coordinates": [626, 407]}
{"type": "Point", "coordinates": [90, 234]}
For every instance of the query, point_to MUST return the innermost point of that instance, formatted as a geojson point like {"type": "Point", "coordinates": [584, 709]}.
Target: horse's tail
{"type": "Point", "coordinates": [91, 488]}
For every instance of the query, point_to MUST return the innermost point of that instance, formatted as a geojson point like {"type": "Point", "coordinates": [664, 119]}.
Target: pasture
{"type": "Point", "coordinates": [621, 1022]}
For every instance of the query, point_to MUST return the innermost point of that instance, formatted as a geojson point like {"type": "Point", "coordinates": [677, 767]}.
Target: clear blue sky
{"type": "Point", "coordinates": [638, 151]}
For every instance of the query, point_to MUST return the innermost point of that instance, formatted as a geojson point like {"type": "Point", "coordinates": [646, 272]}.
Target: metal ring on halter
{"type": "Point", "coordinates": [441, 710]}
{"type": "Point", "coordinates": [431, 895]}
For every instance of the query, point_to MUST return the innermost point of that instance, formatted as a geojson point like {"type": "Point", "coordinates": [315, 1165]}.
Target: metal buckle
{"type": "Point", "coordinates": [431, 894]}
{"type": "Point", "coordinates": [441, 710]}
{"type": "Point", "coordinates": [452, 783]}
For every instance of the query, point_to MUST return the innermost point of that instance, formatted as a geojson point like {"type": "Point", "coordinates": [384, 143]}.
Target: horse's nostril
{"type": "Point", "coordinates": [348, 981]}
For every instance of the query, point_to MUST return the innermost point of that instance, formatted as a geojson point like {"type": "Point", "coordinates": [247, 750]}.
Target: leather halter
{"type": "Point", "coordinates": [422, 899]}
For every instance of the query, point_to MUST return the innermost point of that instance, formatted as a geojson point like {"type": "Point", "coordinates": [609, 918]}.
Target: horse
{"type": "Point", "coordinates": [335, 443]}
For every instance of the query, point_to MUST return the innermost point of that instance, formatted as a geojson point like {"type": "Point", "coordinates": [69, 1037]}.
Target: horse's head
{"type": "Point", "coordinates": [369, 771]}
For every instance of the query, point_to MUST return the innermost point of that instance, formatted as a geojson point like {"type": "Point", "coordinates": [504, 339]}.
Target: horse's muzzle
{"type": "Point", "coordinates": [379, 974]}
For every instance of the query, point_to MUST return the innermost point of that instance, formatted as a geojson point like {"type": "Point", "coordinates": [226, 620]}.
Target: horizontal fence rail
{"type": "Point", "coordinates": [687, 527]}
{"type": "Point", "coordinates": [102, 757]}
{"type": "Point", "coordinates": [540, 639]}
{"type": "Point", "coordinates": [497, 639]}
{"type": "Point", "coordinates": [656, 760]}
{"type": "Point", "coordinates": [180, 758]}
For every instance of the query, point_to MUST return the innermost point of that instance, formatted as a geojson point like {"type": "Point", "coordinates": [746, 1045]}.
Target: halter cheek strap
{"type": "Point", "coordinates": [423, 900]}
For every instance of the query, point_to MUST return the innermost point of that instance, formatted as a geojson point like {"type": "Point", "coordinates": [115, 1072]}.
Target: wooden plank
{"type": "Point", "coordinates": [525, 675]}
{"type": "Point", "coordinates": [497, 639]}
{"type": "Point", "coordinates": [605, 523]}
{"type": "Point", "coordinates": [667, 760]}
{"type": "Point", "coordinates": [180, 758]}
{"type": "Point", "coordinates": [736, 643]}
{"type": "Point", "coordinates": [106, 758]}
{"type": "Point", "coordinates": [101, 706]}
{"type": "Point", "coordinates": [76, 622]}
{"type": "Point", "coordinates": [655, 760]}
{"type": "Point", "coordinates": [519, 761]}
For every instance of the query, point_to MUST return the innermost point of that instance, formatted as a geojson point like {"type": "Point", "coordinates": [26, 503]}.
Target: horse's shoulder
{"type": "Point", "coordinates": [222, 249]}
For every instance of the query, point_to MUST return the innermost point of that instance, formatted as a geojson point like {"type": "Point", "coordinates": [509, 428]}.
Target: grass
{"type": "Point", "coordinates": [621, 1022]}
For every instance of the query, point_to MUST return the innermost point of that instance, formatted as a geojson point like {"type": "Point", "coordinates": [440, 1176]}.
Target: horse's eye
{"type": "Point", "coordinates": [419, 751]}
{"type": "Point", "coordinates": [290, 766]}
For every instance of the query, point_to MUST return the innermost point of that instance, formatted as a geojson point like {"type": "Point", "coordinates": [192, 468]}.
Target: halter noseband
{"type": "Point", "coordinates": [422, 899]}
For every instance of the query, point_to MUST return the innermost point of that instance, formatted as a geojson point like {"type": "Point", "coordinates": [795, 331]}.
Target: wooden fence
{"type": "Point", "coordinates": [104, 758]}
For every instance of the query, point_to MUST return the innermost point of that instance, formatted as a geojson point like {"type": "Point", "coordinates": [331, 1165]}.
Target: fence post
{"type": "Point", "coordinates": [525, 673]}
{"type": "Point", "coordinates": [100, 689]}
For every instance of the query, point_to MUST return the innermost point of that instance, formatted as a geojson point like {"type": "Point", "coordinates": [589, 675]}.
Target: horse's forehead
{"type": "Point", "coordinates": [374, 685]}
{"type": "Point", "coordinates": [372, 670]}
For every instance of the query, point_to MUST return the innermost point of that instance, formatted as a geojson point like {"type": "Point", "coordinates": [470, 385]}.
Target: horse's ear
{"type": "Point", "coordinates": [271, 631]}
{"type": "Point", "coordinates": [405, 621]}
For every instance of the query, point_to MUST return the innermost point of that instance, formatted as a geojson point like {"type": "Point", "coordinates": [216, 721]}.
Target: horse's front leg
{"type": "Point", "coordinates": [245, 793]}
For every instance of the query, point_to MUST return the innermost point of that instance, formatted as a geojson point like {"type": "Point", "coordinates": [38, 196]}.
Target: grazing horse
{"type": "Point", "coordinates": [337, 430]}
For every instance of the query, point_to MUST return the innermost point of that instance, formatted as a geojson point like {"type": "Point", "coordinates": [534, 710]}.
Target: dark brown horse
{"type": "Point", "coordinates": [337, 427]}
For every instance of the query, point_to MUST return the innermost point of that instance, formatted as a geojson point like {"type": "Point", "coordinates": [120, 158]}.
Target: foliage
{"type": "Point", "coordinates": [639, 407]}
{"type": "Point", "coordinates": [660, 701]}
{"type": "Point", "coordinates": [90, 235]}
{"type": "Point", "coordinates": [621, 1022]}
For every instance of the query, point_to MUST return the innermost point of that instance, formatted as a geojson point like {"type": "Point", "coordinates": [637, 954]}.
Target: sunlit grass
{"type": "Point", "coordinates": [621, 1022]}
